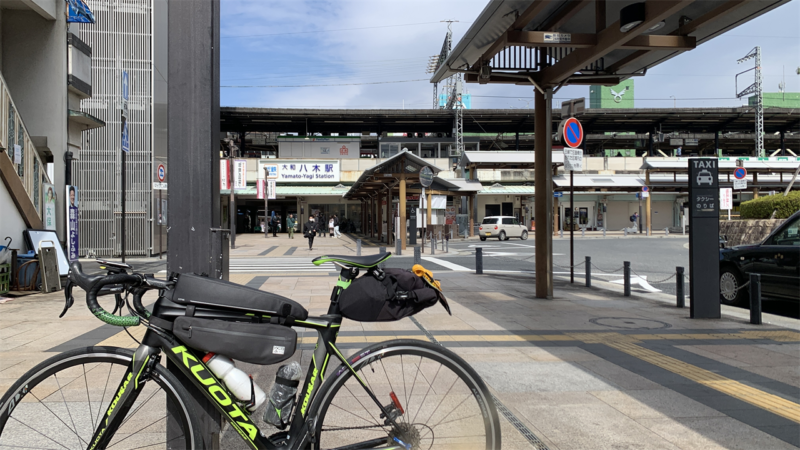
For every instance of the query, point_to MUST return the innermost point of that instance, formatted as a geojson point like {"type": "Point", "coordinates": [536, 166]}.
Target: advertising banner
{"type": "Point", "coordinates": [450, 215]}
{"type": "Point", "coordinates": [272, 190]}
{"type": "Point", "coordinates": [224, 172]}
{"type": "Point", "coordinates": [72, 223]}
{"type": "Point", "coordinates": [240, 174]}
{"type": "Point", "coordinates": [49, 206]}
{"type": "Point", "coordinates": [260, 189]}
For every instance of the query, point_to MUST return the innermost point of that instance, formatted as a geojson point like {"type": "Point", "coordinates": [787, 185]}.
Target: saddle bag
{"type": "Point", "coordinates": [255, 343]}
{"type": "Point", "coordinates": [387, 295]}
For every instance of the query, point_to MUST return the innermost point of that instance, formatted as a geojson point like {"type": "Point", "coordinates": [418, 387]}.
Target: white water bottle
{"type": "Point", "coordinates": [239, 383]}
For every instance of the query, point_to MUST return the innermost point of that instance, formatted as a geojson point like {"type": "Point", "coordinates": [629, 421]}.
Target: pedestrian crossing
{"type": "Point", "coordinates": [279, 265]}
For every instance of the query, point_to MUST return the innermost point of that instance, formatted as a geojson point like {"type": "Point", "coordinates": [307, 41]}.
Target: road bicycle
{"type": "Point", "coordinates": [395, 395]}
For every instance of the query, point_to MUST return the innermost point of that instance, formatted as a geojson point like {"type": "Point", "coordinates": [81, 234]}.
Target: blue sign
{"type": "Point", "coordinates": [126, 141]}
{"type": "Point", "coordinates": [739, 173]}
{"type": "Point", "coordinates": [558, 194]}
{"type": "Point", "coordinates": [125, 85]}
{"type": "Point", "coordinates": [573, 132]}
{"type": "Point", "coordinates": [78, 12]}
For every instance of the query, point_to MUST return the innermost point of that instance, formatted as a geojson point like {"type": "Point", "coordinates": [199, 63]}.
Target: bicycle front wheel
{"type": "Point", "coordinates": [438, 400]}
{"type": "Point", "coordinates": [60, 403]}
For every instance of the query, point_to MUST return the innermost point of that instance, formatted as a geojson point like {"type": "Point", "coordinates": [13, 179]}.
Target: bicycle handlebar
{"type": "Point", "coordinates": [94, 285]}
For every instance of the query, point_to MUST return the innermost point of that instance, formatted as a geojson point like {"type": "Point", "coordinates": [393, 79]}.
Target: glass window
{"type": "Point", "coordinates": [36, 184]}
{"type": "Point", "coordinates": [429, 150]}
{"type": "Point", "coordinates": [516, 222]}
{"type": "Point", "coordinates": [389, 149]}
{"type": "Point", "coordinates": [11, 134]}
{"type": "Point", "coordinates": [489, 221]}
{"type": "Point", "coordinates": [789, 236]}
{"type": "Point", "coordinates": [508, 221]}
{"type": "Point", "coordinates": [21, 143]}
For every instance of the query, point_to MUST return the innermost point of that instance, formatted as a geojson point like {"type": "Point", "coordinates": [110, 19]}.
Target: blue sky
{"type": "Point", "coordinates": [337, 46]}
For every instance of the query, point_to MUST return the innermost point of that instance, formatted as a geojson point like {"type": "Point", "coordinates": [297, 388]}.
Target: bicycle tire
{"type": "Point", "coordinates": [415, 351]}
{"type": "Point", "coordinates": [71, 423]}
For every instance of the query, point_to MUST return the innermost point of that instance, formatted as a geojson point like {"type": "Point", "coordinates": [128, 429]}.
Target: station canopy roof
{"type": "Point", "coordinates": [552, 43]}
{"type": "Point", "coordinates": [505, 159]}
{"type": "Point", "coordinates": [753, 164]}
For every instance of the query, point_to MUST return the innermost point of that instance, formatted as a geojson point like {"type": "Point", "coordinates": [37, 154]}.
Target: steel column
{"type": "Point", "coordinates": [543, 177]}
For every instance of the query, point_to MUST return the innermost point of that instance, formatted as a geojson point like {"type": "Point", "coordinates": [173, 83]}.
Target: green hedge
{"type": "Point", "coordinates": [762, 207]}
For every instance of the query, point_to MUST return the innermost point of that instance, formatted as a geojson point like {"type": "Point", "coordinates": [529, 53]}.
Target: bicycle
{"type": "Point", "coordinates": [366, 402]}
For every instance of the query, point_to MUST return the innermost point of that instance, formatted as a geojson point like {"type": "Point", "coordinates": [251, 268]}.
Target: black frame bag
{"type": "Point", "coordinates": [387, 295]}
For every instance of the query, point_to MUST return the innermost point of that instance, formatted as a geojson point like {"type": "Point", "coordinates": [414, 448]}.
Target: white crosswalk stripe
{"type": "Point", "coordinates": [283, 265]}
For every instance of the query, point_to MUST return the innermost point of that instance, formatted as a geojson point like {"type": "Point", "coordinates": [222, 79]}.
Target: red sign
{"type": "Point", "coordinates": [344, 150]}
{"type": "Point", "coordinates": [572, 133]}
{"type": "Point", "coordinates": [739, 173]}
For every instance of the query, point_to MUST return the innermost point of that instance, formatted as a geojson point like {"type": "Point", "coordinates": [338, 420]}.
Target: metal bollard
{"type": "Point", "coordinates": [561, 233]}
{"type": "Point", "coordinates": [447, 245]}
{"type": "Point", "coordinates": [679, 288]}
{"type": "Point", "coordinates": [382, 265]}
{"type": "Point", "coordinates": [478, 260]}
{"type": "Point", "coordinates": [417, 255]}
{"type": "Point", "coordinates": [625, 232]}
{"type": "Point", "coordinates": [666, 231]}
{"type": "Point", "coordinates": [433, 245]}
{"type": "Point", "coordinates": [626, 274]}
{"type": "Point", "coordinates": [755, 298]}
{"type": "Point", "coordinates": [358, 247]}
{"type": "Point", "coordinates": [398, 245]}
{"type": "Point", "coordinates": [588, 271]}
{"type": "Point", "coordinates": [604, 232]}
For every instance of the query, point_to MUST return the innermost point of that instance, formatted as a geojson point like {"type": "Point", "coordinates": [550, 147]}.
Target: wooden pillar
{"type": "Point", "coordinates": [648, 211]}
{"type": "Point", "coordinates": [428, 213]}
{"type": "Point", "coordinates": [389, 216]}
{"type": "Point", "coordinates": [471, 205]}
{"type": "Point", "coordinates": [755, 184]}
{"type": "Point", "coordinates": [381, 198]}
{"type": "Point", "coordinates": [402, 210]}
{"type": "Point", "coordinates": [555, 216]}
{"type": "Point", "coordinates": [543, 127]}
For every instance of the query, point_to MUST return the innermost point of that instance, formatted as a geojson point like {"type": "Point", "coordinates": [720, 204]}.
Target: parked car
{"type": "Point", "coordinates": [502, 227]}
{"type": "Point", "coordinates": [777, 259]}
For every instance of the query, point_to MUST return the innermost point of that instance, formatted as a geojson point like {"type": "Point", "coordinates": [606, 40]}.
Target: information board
{"type": "Point", "coordinates": [704, 208]}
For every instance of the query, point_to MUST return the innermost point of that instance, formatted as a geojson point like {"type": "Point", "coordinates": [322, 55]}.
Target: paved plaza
{"type": "Point", "coordinates": [589, 369]}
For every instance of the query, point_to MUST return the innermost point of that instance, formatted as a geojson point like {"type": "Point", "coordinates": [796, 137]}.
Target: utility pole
{"type": "Point", "coordinates": [757, 89]}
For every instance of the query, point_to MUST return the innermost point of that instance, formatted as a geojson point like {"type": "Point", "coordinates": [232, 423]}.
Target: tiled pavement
{"type": "Point", "coordinates": [586, 370]}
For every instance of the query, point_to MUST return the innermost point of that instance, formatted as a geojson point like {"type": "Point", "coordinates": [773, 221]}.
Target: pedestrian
{"type": "Point", "coordinates": [635, 221]}
{"type": "Point", "coordinates": [330, 226]}
{"type": "Point", "coordinates": [336, 225]}
{"type": "Point", "coordinates": [290, 224]}
{"type": "Point", "coordinates": [309, 231]}
{"type": "Point", "coordinates": [678, 152]}
{"type": "Point", "coordinates": [274, 225]}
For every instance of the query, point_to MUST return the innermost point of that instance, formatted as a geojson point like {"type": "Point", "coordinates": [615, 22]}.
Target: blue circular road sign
{"type": "Point", "coordinates": [573, 132]}
{"type": "Point", "coordinates": [739, 173]}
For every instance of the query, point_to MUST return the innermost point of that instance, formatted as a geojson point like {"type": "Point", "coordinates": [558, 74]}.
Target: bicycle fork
{"type": "Point", "coordinates": [126, 395]}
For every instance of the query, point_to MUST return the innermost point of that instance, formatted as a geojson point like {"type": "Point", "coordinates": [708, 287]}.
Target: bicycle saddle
{"type": "Point", "coordinates": [357, 261]}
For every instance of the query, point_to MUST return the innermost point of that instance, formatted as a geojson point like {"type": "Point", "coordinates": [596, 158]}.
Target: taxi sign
{"type": "Point", "coordinates": [572, 132]}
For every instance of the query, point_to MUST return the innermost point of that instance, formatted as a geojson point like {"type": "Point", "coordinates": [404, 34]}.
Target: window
{"type": "Point", "coordinates": [489, 221]}
{"type": "Point", "coordinates": [389, 149]}
{"type": "Point", "coordinates": [430, 150]}
{"type": "Point", "coordinates": [21, 143]}
{"type": "Point", "coordinates": [11, 134]}
{"type": "Point", "coordinates": [789, 236]}
{"type": "Point", "coordinates": [516, 222]}
{"type": "Point", "coordinates": [508, 221]}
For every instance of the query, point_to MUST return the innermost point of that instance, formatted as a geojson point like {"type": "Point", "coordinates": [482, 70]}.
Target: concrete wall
{"type": "Point", "coordinates": [34, 54]}
{"type": "Point", "coordinates": [12, 224]}
{"type": "Point", "coordinates": [746, 232]}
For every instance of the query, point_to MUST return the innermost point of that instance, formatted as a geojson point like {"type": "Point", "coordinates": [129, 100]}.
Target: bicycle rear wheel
{"type": "Point", "coordinates": [445, 404]}
{"type": "Point", "coordinates": [59, 403]}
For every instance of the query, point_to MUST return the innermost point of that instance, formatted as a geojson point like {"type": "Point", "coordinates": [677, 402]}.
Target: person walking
{"type": "Point", "coordinates": [336, 226]}
{"type": "Point", "coordinates": [274, 225]}
{"type": "Point", "coordinates": [330, 226]}
{"type": "Point", "coordinates": [635, 221]}
{"type": "Point", "coordinates": [290, 224]}
{"type": "Point", "coordinates": [309, 231]}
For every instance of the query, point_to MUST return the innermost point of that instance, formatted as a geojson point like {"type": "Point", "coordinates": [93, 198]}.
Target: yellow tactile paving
{"type": "Point", "coordinates": [772, 403]}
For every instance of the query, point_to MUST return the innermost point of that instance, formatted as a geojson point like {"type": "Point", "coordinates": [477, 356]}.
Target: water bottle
{"type": "Point", "coordinates": [239, 383]}
{"type": "Point", "coordinates": [282, 395]}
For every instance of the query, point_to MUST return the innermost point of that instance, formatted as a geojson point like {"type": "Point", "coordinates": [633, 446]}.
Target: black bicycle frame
{"type": "Point", "coordinates": [303, 426]}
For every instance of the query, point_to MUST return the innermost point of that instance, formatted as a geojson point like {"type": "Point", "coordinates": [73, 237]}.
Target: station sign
{"type": "Point", "coordinates": [308, 171]}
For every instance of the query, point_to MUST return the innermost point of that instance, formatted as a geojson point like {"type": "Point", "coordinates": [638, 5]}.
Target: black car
{"type": "Point", "coordinates": [777, 259]}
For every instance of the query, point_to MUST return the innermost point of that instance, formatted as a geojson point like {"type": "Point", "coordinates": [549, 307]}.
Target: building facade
{"type": "Point", "coordinates": [128, 37]}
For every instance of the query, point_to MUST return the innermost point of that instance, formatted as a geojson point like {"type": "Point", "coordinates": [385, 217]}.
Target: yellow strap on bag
{"type": "Point", "coordinates": [426, 275]}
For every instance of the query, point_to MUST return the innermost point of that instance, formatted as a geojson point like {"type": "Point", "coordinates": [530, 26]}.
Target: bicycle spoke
{"type": "Point", "coordinates": [430, 386]}
{"type": "Point", "coordinates": [451, 412]}
{"type": "Point", "coordinates": [413, 384]}
{"type": "Point", "coordinates": [89, 400]}
{"type": "Point", "coordinates": [140, 429]}
{"type": "Point", "coordinates": [131, 414]}
{"type": "Point", "coordinates": [362, 405]}
{"type": "Point", "coordinates": [442, 400]}
{"type": "Point", "coordinates": [103, 398]}
{"type": "Point", "coordinates": [55, 375]}
{"type": "Point", "coordinates": [56, 416]}
{"type": "Point", "coordinates": [351, 413]}
{"type": "Point", "coordinates": [36, 431]}
{"type": "Point", "coordinates": [159, 443]}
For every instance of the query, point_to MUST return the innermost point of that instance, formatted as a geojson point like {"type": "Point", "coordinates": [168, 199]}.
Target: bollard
{"type": "Point", "coordinates": [626, 274]}
{"type": "Point", "coordinates": [666, 231]}
{"type": "Point", "coordinates": [755, 298]}
{"type": "Point", "coordinates": [417, 255]}
{"type": "Point", "coordinates": [588, 271]}
{"type": "Point", "coordinates": [625, 232]}
{"type": "Point", "coordinates": [478, 260]}
{"type": "Point", "coordinates": [604, 232]}
{"type": "Point", "coordinates": [679, 288]}
{"type": "Point", "coordinates": [358, 247]}
{"type": "Point", "coordinates": [447, 245]}
{"type": "Point", "coordinates": [382, 265]}
{"type": "Point", "coordinates": [398, 246]}
{"type": "Point", "coordinates": [433, 245]}
{"type": "Point", "coordinates": [561, 233]}
{"type": "Point", "coordinates": [583, 232]}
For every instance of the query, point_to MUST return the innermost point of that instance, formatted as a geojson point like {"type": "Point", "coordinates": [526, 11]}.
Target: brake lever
{"type": "Point", "coordinates": [68, 300]}
{"type": "Point", "coordinates": [119, 303]}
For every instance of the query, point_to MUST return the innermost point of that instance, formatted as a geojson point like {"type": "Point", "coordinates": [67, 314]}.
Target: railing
{"type": "Point", "coordinates": [14, 138]}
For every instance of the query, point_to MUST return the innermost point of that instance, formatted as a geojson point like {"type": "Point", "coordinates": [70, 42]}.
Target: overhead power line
{"type": "Point", "coordinates": [322, 85]}
{"type": "Point", "coordinates": [330, 31]}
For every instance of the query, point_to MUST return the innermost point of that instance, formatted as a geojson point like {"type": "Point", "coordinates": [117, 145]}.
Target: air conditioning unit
{"type": "Point", "coordinates": [455, 152]}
